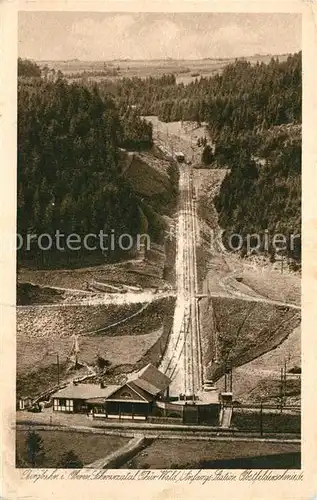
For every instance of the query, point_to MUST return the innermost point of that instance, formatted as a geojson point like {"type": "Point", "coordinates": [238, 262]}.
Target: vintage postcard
{"type": "Point", "coordinates": [157, 264]}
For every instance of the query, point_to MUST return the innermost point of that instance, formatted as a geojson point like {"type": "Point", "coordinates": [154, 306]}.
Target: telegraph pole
{"type": "Point", "coordinates": [261, 418]}
{"type": "Point", "coordinates": [281, 390]}
{"type": "Point", "coordinates": [284, 382]}
{"type": "Point", "coordinates": [57, 360]}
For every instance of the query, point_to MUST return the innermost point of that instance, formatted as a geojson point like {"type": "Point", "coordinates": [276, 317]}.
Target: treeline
{"type": "Point", "coordinates": [244, 96]}
{"type": "Point", "coordinates": [69, 176]}
{"type": "Point", "coordinates": [27, 68]}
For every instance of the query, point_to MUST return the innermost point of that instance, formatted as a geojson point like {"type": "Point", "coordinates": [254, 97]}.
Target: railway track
{"type": "Point", "coordinates": [182, 361]}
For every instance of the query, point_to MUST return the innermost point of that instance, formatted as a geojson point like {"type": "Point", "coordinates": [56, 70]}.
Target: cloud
{"type": "Point", "coordinates": [137, 37]}
{"type": "Point", "coordinates": [123, 36]}
{"type": "Point", "coordinates": [93, 36]}
{"type": "Point", "coordinates": [94, 39]}
{"type": "Point", "coordinates": [233, 40]}
{"type": "Point", "coordinates": [236, 34]}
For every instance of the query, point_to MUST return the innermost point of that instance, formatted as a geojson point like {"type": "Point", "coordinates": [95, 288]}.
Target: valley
{"type": "Point", "coordinates": [182, 334]}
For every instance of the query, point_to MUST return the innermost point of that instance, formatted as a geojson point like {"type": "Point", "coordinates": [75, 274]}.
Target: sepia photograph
{"type": "Point", "coordinates": [158, 246]}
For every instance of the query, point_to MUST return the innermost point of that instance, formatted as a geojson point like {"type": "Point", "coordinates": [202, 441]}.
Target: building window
{"type": "Point", "coordinates": [69, 405]}
{"type": "Point", "coordinates": [126, 395]}
{"type": "Point", "coordinates": [63, 405]}
{"type": "Point", "coordinates": [99, 409]}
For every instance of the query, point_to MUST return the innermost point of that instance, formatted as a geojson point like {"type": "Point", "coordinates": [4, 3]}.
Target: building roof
{"type": "Point", "coordinates": [144, 394]}
{"type": "Point", "coordinates": [85, 391]}
{"type": "Point", "coordinates": [151, 380]}
{"type": "Point", "coordinates": [139, 395]}
{"type": "Point", "coordinates": [148, 382]}
{"type": "Point", "coordinates": [146, 386]}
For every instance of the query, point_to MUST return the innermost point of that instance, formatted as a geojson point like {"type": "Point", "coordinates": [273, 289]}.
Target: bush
{"type": "Point", "coordinates": [70, 460]}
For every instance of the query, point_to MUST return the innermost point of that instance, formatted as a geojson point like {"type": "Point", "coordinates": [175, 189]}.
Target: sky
{"type": "Point", "coordinates": [98, 36]}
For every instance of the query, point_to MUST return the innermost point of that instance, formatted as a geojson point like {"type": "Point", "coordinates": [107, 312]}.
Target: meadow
{"type": "Point", "coordinates": [185, 71]}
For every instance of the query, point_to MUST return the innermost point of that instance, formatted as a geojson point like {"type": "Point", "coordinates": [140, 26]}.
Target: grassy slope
{"type": "Point", "coordinates": [274, 285]}
{"type": "Point", "coordinates": [87, 447]}
{"type": "Point", "coordinates": [145, 274]}
{"type": "Point", "coordinates": [260, 378]}
{"type": "Point", "coordinates": [164, 453]}
{"type": "Point", "coordinates": [43, 332]}
{"type": "Point", "coordinates": [245, 330]}
{"type": "Point", "coordinates": [148, 175]}
{"type": "Point", "coordinates": [42, 321]}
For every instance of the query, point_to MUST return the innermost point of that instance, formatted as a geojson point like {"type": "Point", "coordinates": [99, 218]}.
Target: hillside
{"type": "Point", "coordinates": [71, 176]}
{"type": "Point", "coordinates": [126, 335]}
{"type": "Point", "coordinates": [244, 331]}
{"type": "Point", "coordinates": [257, 129]}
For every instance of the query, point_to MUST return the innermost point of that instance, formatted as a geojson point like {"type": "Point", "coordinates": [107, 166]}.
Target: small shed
{"type": "Point", "coordinates": [24, 402]}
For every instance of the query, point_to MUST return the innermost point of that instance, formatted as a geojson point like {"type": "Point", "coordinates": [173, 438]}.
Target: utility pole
{"type": "Point", "coordinates": [284, 381]}
{"type": "Point", "coordinates": [261, 418]}
{"type": "Point", "coordinates": [215, 337]}
{"type": "Point", "coordinates": [57, 360]}
{"type": "Point", "coordinates": [281, 390]}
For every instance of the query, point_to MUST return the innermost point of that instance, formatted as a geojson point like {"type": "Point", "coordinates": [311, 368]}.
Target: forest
{"type": "Point", "coordinates": [69, 176]}
{"type": "Point", "coordinates": [243, 96]}
{"type": "Point", "coordinates": [69, 135]}
{"type": "Point", "coordinates": [253, 113]}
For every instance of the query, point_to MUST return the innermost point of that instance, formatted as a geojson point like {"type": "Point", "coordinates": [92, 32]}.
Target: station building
{"type": "Point", "coordinates": [134, 399]}
{"type": "Point", "coordinates": [143, 396]}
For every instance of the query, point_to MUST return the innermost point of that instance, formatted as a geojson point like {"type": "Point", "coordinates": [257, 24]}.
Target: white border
{"type": "Point", "coordinates": [14, 487]}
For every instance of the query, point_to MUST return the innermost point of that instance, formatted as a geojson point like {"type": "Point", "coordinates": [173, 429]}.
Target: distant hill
{"type": "Point", "coordinates": [153, 67]}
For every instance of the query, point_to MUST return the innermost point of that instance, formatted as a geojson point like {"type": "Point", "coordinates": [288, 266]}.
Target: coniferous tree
{"type": "Point", "coordinates": [35, 449]}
